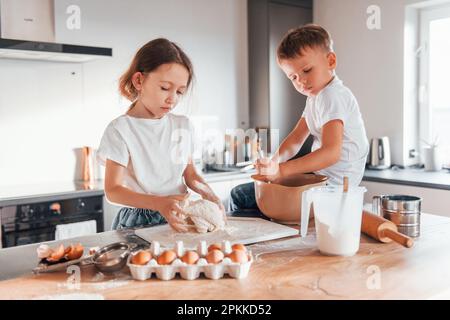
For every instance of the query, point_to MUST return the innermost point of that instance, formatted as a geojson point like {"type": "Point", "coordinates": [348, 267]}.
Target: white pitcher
{"type": "Point", "coordinates": [338, 217]}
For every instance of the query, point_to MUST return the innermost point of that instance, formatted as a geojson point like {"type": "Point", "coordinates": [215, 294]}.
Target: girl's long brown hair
{"type": "Point", "coordinates": [148, 58]}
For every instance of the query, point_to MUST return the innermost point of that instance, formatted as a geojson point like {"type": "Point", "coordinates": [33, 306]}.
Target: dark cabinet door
{"type": "Point", "coordinates": [286, 104]}
{"type": "Point", "coordinates": [274, 103]}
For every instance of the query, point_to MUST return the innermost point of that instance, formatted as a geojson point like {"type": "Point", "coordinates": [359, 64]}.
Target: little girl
{"type": "Point", "coordinates": [146, 152]}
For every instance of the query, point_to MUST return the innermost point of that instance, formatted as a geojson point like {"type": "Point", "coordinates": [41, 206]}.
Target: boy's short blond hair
{"type": "Point", "coordinates": [309, 35]}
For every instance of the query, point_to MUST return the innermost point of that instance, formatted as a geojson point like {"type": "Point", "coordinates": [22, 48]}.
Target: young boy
{"type": "Point", "coordinates": [331, 116]}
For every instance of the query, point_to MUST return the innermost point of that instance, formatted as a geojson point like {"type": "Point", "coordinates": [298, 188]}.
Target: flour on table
{"type": "Point", "coordinates": [205, 215]}
{"type": "Point", "coordinates": [236, 230]}
{"type": "Point", "coordinates": [109, 284]}
{"type": "Point", "coordinates": [72, 296]}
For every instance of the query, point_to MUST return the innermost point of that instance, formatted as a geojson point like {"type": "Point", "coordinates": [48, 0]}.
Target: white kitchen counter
{"type": "Point", "coordinates": [410, 177]}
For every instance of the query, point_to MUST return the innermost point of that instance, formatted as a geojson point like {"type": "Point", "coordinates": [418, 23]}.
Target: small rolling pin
{"type": "Point", "coordinates": [383, 230]}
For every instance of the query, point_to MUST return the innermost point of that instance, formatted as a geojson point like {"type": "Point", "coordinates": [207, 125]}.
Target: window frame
{"type": "Point", "coordinates": [426, 16]}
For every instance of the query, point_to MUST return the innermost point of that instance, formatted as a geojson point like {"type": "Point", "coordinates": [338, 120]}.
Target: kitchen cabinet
{"type": "Point", "coordinates": [223, 188]}
{"type": "Point", "coordinates": [434, 201]}
{"type": "Point", "coordinates": [109, 213]}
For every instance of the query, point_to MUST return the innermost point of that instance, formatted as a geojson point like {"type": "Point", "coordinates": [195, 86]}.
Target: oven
{"type": "Point", "coordinates": [37, 222]}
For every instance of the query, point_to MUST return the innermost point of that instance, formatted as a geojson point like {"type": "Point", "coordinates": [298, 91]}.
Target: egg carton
{"type": "Point", "coordinates": [190, 271]}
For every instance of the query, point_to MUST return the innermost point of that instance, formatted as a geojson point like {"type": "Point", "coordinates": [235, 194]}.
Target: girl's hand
{"type": "Point", "coordinates": [170, 208]}
{"type": "Point", "coordinates": [216, 200]}
{"type": "Point", "coordinates": [207, 194]}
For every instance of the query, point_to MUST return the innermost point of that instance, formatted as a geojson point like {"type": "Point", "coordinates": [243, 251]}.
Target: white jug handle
{"type": "Point", "coordinates": [376, 205]}
{"type": "Point", "coordinates": [306, 206]}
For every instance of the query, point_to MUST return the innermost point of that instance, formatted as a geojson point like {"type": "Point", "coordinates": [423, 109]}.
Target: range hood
{"type": "Point", "coordinates": [27, 31]}
{"type": "Point", "coordinates": [33, 50]}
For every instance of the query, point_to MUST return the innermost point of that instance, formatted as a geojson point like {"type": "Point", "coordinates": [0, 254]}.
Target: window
{"type": "Point", "coordinates": [434, 92]}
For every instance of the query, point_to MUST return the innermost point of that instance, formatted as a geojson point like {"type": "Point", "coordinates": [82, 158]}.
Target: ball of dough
{"type": "Point", "coordinates": [205, 215]}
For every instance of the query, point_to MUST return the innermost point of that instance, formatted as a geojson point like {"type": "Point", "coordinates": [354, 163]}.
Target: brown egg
{"type": "Point", "coordinates": [214, 246]}
{"type": "Point", "coordinates": [74, 251]}
{"type": "Point", "coordinates": [44, 251]}
{"type": "Point", "coordinates": [57, 254]}
{"type": "Point", "coordinates": [190, 257]}
{"type": "Point", "coordinates": [214, 256]}
{"type": "Point", "coordinates": [167, 257]}
{"type": "Point", "coordinates": [141, 258]}
{"type": "Point", "coordinates": [238, 256]}
{"type": "Point", "coordinates": [238, 246]}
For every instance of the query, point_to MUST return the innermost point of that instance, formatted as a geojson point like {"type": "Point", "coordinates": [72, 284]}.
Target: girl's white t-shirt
{"type": "Point", "coordinates": [155, 152]}
{"type": "Point", "coordinates": [336, 101]}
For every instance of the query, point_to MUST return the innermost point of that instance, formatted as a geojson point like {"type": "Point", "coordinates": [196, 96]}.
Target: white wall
{"type": "Point", "coordinates": [380, 72]}
{"type": "Point", "coordinates": [370, 62]}
{"type": "Point", "coordinates": [47, 109]}
{"type": "Point", "coordinates": [379, 65]}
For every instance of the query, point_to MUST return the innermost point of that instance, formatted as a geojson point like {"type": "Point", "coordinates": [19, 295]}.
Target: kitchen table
{"type": "Point", "coordinates": [290, 268]}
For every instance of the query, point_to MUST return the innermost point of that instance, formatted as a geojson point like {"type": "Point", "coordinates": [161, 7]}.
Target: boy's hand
{"type": "Point", "coordinates": [269, 168]}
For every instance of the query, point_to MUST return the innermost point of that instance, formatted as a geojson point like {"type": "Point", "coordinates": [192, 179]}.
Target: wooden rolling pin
{"type": "Point", "coordinates": [383, 230]}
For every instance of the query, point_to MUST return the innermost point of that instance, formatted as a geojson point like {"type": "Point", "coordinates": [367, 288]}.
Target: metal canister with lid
{"type": "Point", "coordinates": [402, 210]}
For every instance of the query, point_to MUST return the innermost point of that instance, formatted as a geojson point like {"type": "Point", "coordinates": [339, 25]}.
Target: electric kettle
{"type": "Point", "coordinates": [380, 153]}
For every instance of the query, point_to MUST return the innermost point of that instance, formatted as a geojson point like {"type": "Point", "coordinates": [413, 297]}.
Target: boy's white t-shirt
{"type": "Point", "coordinates": [336, 101]}
{"type": "Point", "coordinates": [155, 152]}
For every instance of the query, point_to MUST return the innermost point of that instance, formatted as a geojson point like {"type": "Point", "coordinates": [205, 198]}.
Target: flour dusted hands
{"type": "Point", "coordinates": [171, 210]}
{"type": "Point", "coordinates": [213, 198]}
{"type": "Point", "coordinates": [270, 168]}
{"type": "Point", "coordinates": [207, 194]}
